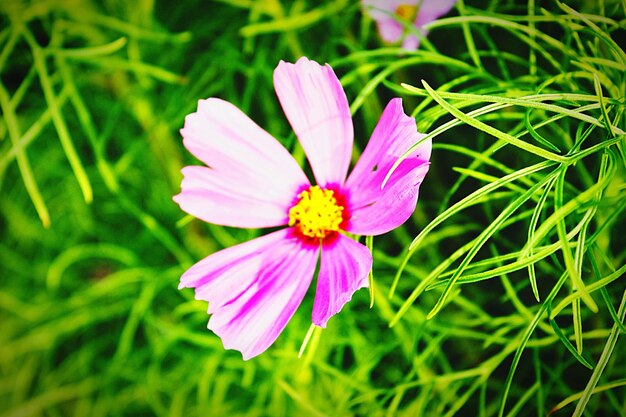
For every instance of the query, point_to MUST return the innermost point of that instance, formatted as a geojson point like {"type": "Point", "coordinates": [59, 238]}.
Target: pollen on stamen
{"type": "Point", "coordinates": [317, 213]}
{"type": "Point", "coordinates": [406, 12]}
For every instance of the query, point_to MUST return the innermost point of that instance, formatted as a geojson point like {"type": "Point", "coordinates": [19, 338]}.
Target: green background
{"type": "Point", "coordinates": [511, 302]}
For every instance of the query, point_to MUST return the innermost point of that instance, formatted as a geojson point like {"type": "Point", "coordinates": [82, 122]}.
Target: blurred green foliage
{"type": "Point", "coordinates": [510, 301]}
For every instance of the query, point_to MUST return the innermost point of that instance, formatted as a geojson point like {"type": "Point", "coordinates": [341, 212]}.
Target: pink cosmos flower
{"type": "Point", "coordinates": [251, 181]}
{"type": "Point", "coordinates": [420, 12]}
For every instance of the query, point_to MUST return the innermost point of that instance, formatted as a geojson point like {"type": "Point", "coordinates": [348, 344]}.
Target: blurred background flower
{"type": "Point", "coordinates": [403, 20]}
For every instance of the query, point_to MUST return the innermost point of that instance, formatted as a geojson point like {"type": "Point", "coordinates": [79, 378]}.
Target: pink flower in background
{"type": "Point", "coordinates": [419, 12]}
{"type": "Point", "coordinates": [251, 181]}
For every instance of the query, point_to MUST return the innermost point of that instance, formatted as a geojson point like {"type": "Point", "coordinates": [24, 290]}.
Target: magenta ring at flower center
{"type": "Point", "coordinates": [318, 214]}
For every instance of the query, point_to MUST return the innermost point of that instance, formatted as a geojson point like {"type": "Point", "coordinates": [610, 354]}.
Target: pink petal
{"type": "Point", "coordinates": [391, 30]}
{"type": "Point", "coordinates": [344, 267]}
{"type": "Point", "coordinates": [412, 42]}
{"type": "Point", "coordinates": [374, 210]}
{"type": "Point", "coordinates": [382, 11]}
{"type": "Point", "coordinates": [429, 11]}
{"type": "Point", "coordinates": [253, 289]}
{"type": "Point", "coordinates": [317, 109]}
{"type": "Point", "coordinates": [252, 179]}
{"type": "Point", "coordinates": [232, 198]}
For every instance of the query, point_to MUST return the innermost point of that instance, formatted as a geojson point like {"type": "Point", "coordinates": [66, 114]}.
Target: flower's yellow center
{"type": "Point", "coordinates": [406, 12]}
{"type": "Point", "coordinates": [317, 213]}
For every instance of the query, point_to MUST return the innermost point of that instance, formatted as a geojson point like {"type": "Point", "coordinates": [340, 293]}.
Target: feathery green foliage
{"type": "Point", "coordinates": [504, 294]}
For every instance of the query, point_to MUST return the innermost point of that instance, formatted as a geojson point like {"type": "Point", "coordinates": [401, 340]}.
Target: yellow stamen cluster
{"type": "Point", "coordinates": [317, 213]}
{"type": "Point", "coordinates": [406, 12]}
